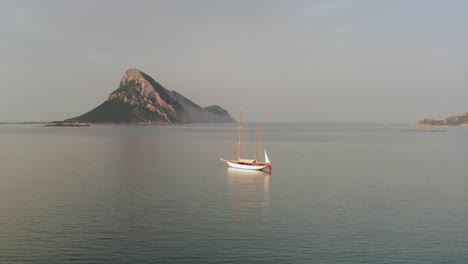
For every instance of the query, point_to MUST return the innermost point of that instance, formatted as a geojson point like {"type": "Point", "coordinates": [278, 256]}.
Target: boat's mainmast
{"type": "Point", "coordinates": [239, 145]}
{"type": "Point", "coordinates": [256, 142]}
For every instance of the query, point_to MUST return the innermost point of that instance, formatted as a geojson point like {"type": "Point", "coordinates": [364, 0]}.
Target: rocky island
{"type": "Point", "coordinates": [458, 120]}
{"type": "Point", "coordinates": [140, 99]}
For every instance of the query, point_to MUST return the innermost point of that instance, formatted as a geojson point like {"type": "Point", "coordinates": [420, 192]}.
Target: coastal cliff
{"type": "Point", "coordinates": [458, 120]}
{"type": "Point", "coordinates": [140, 99]}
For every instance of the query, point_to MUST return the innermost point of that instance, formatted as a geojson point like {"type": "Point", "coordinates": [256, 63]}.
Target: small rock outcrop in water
{"type": "Point", "coordinates": [140, 99]}
{"type": "Point", "coordinates": [459, 120]}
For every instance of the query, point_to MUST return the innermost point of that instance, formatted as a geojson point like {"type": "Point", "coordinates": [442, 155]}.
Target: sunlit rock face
{"type": "Point", "coordinates": [140, 99]}
{"type": "Point", "coordinates": [458, 120]}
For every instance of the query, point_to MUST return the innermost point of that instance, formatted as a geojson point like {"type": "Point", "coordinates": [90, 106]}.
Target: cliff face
{"type": "Point", "coordinates": [140, 99]}
{"type": "Point", "coordinates": [459, 120]}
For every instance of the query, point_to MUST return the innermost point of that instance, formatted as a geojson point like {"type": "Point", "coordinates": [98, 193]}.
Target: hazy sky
{"type": "Point", "coordinates": [286, 61]}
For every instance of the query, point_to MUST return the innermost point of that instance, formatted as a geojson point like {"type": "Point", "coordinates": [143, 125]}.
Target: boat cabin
{"type": "Point", "coordinates": [247, 161]}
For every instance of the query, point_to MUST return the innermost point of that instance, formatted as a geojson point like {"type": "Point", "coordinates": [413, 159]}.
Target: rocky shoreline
{"type": "Point", "coordinates": [67, 125]}
{"type": "Point", "coordinates": [460, 120]}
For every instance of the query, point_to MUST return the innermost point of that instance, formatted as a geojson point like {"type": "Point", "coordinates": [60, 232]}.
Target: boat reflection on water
{"type": "Point", "coordinates": [250, 192]}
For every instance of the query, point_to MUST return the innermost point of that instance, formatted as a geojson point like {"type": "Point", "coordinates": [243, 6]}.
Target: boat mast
{"type": "Point", "coordinates": [256, 143]}
{"type": "Point", "coordinates": [239, 145]}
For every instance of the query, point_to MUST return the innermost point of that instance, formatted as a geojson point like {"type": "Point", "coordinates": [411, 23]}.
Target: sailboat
{"type": "Point", "coordinates": [247, 164]}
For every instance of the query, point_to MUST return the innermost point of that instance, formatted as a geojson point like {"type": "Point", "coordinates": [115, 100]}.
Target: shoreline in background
{"type": "Point", "coordinates": [389, 125]}
{"type": "Point", "coordinates": [23, 123]}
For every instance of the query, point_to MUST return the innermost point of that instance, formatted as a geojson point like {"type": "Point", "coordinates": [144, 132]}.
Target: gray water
{"type": "Point", "coordinates": [160, 194]}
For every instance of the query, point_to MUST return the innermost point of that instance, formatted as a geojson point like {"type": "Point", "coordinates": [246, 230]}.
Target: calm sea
{"type": "Point", "coordinates": [160, 194]}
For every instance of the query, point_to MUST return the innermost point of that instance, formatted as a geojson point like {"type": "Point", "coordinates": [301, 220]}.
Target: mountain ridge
{"type": "Point", "coordinates": [141, 99]}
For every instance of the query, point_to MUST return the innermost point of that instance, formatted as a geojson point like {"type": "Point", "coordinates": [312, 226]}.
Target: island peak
{"type": "Point", "coordinates": [140, 99]}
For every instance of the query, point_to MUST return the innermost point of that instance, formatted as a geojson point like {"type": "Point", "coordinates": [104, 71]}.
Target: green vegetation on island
{"type": "Point", "coordinates": [60, 124]}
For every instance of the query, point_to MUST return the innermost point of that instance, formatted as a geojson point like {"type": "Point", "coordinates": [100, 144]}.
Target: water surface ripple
{"type": "Point", "coordinates": [159, 194]}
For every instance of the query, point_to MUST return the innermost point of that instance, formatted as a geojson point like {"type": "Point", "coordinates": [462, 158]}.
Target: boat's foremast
{"type": "Point", "coordinates": [239, 144]}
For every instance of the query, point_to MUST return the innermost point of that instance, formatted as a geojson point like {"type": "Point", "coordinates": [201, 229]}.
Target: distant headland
{"type": "Point", "coordinates": [60, 124]}
{"type": "Point", "coordinates": [139, 99]}
{"type": "Point", "coordinates": [458, 120]}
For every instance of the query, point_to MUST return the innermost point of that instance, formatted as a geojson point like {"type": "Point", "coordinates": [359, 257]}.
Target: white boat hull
{"type": "Point", "coordinates": [246, 167]}
{"type": "Point", "coordinates": [240, 172]}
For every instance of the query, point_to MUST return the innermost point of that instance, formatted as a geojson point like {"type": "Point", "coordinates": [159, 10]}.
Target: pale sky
{"type": "Point", "coordinates": [285, 61]}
